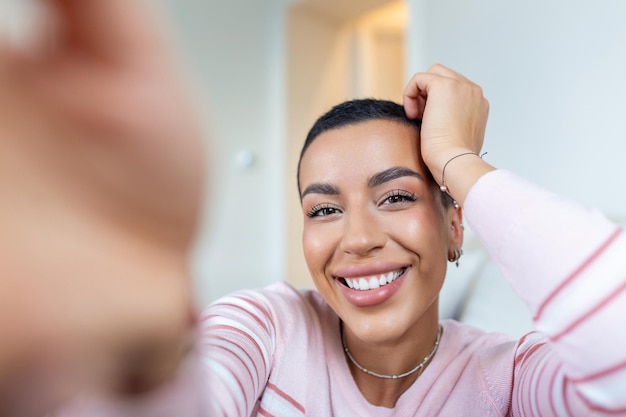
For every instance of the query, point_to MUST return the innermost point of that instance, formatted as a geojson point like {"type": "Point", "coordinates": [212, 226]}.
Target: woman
{"type": "Point", "coordinates": [379, 227]}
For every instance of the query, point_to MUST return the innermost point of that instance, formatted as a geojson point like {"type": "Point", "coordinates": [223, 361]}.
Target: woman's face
{"type": "Point", "coordinates": [376, 235]}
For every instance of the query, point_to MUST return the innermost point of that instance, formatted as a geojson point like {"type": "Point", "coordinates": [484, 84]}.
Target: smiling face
{"type": "Point", "coordinates": [376, 234]}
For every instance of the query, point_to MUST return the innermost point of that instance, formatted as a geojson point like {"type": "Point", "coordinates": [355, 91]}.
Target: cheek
{"type": "Point", "coordinates": [420, 231]}
{"type": "Point", "coordinates": [318, 244]}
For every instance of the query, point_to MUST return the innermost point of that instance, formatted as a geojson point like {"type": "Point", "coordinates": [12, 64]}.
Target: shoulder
{"type": "Point", "coordinates": [277, 296]}
{"type": "Point", "coordinates": [279, 306]}
{"type": "Point", "coordinates": [484, 361]}
{"type": "Point", "coordinates": [464, 336]}
{"type": "Point", "coordinates": [495, 351]}
{"type": "Point", "coordinates": [486, 352]}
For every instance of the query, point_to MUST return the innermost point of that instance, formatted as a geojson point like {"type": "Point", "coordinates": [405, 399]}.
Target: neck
{"type": "Point", "coordinates": [382, 382]}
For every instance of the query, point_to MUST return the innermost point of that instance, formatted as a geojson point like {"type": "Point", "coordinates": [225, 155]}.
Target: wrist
{"type": "Point", "coordinates": [436, 161]}
{"type": "Point", "coordinates": [459, 172]}
{"type": "Point", "coordinates": [442, 182]}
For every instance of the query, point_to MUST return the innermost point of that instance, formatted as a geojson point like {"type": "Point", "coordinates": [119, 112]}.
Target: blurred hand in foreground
{"type": "Point", "coordinates": [101, 170]}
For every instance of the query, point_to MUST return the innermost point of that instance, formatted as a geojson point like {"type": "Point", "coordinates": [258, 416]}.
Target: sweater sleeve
{"type": "Point", "coordinates": [239, 341]}
{"type": "Point", "coordinates": [568, 264]}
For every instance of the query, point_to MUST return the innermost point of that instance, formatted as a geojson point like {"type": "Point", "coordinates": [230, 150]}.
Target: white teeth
{"type": "Point", "coordinates": [364, 284]}
{"type": "Point", "coordinates": [382, 280]}
{"type": "Point", "coordinates": [374, 283]}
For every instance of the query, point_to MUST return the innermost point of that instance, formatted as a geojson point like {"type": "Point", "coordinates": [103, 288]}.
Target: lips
{"type": "Point", "coordinates": [372, 282]}
{"type": "Point", "coordinates": [371, 287]}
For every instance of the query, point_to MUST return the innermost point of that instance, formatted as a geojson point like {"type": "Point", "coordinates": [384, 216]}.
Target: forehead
{"type": "Point", "coordinates": [355, 152]}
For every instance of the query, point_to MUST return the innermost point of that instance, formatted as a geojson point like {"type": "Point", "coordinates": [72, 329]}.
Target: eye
{"type": "Point", "coordinates": [322, 210]}
{"type": "Point", "coordinates": [396, 197]}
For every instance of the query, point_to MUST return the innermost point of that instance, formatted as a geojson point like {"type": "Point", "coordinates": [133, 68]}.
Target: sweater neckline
{"type": "Point", "coordinates": [341, 376]}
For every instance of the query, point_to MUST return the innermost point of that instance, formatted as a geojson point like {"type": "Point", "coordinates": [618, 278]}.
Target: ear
{"type": "Point", "coordinates": [455, 227]}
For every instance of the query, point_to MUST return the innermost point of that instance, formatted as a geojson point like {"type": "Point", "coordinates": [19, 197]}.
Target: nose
{"type": "Point", "coordinates": [362, 233]}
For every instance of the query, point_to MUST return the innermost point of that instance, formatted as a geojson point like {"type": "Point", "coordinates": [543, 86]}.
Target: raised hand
{"type": "Point", "coordinates": [454, 116]}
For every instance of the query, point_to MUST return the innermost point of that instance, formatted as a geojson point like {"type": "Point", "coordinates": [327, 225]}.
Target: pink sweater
{"type": "Point", "coordinates": [277, 351]}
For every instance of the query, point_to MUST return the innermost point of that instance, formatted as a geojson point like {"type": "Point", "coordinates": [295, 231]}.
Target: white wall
{"type": "Point", "coordinates": [554, 74]}
{"type": "Point", "coordinates": [235, 50]}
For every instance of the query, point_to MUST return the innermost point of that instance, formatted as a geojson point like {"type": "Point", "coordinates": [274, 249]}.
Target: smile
{"type": "Point", "coordinates": [371, 282]}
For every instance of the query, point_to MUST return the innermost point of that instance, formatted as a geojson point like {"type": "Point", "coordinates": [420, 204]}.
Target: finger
{"type": "Point", "coordinates": [447, 72]}
{"type": "Point", "coordinates": [415, 93]}
{"type": "Point", "coordinates": [112, 29]}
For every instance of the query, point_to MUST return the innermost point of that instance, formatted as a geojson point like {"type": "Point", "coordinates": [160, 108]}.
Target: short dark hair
{"type": "Point", "coordinates": [359, 111]}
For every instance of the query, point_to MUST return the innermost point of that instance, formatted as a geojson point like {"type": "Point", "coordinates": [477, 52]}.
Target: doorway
{"type": "Point", "coordinates": [336, 51]}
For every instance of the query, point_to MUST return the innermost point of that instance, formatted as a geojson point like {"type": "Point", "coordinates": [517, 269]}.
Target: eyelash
{"type": "Point", "coordinates": [401, 195]}
{"type": "Point", "coordinates": [320, 208]}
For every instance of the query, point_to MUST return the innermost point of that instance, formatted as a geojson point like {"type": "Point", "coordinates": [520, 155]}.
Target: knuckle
{"type": "Point", "coordinates": [435, 67]}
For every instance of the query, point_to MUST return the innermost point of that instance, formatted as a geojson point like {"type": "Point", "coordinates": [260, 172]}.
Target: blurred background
{"type": "Point", "coordinates": [264, 70]}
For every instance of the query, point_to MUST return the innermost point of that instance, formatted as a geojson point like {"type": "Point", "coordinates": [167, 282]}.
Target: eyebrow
{"type": "Point", "coordinates": [320, 188]}
{"type": "Point", "coordinates": [376, 180]}
{"type": "Point", "coordinates": [392, 174]}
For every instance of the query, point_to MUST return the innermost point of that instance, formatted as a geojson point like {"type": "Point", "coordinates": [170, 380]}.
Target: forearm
{"type": "Point", "coordinates": [567, 263]}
